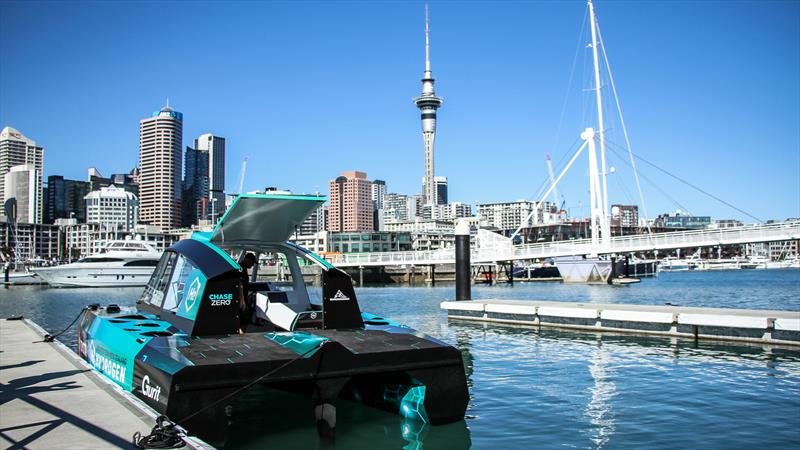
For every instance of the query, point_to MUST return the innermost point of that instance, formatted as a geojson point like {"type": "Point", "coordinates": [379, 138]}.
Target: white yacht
{"type": "Point", "coordinates": [121, 263]}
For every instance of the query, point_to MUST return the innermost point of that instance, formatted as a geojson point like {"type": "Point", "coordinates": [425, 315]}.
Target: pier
{"type": "Point", "coordinates": [50, 398]}
{"type": "Point", "coordinates": [721, 324]}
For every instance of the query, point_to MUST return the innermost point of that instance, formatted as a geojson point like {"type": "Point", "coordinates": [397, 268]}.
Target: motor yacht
{"type": "Point", "coordinates": [120, 263]}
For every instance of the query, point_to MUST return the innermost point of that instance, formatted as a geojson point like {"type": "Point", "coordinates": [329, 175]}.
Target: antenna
{"type": "Point", "coordinates": [427, 42]}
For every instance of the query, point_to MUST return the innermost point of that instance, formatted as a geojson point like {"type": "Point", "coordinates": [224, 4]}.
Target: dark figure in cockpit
{"type": "Point", "coordinates": [246, 300]}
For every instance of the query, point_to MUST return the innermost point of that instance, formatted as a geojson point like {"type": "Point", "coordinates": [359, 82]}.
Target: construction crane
{"type": "Point", "coordinates": [241, 176]}
{"type": "Point", "coordinates": [552, 178]}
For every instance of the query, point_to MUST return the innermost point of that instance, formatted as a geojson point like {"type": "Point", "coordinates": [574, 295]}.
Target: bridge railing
{"type": "Point", "coordinates": [619, 244]}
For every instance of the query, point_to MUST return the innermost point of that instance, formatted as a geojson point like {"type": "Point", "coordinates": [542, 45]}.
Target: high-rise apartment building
{"type": "Point", "coordinates": [21, 184]}
{"type": "Point", "coordinates": [15, 150]}
{"type": "Point", "coordinates": [64, 199]}
{"type": "Point", "coordinates": [378, 193]}
{"type": "Point", "coordinates": [113, 208]}
{"type": "Point", "coordinates": [215, 147]}
{"type": "Point", "coordinates": [160, 164]}
{"type": "Point", "coordinates": [350, 203]}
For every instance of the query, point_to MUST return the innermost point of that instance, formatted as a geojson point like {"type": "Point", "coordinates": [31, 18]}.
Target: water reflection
{"type": "Point", "coordinates": [599, 409]}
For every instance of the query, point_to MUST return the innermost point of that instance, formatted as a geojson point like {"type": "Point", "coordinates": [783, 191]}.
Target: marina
{"type": "Point", "coordinates": [575, 387]}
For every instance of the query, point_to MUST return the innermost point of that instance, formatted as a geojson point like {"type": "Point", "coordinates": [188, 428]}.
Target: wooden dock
{"type": "Point", "coordinates": [723, 324]}
{"type": "Point", "coordinates": [50, 398]}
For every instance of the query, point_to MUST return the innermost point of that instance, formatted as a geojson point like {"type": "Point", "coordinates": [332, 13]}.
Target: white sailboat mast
{"type": "Point", "coordinates": [604, 225]}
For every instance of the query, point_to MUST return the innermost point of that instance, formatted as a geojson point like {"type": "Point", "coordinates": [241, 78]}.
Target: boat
{"type": "Point", "coordinates": [121, 263]}
{"type": "Point", "coordinates": [181, 349]}
{"type": "Point", "coordinates": [539, 271]}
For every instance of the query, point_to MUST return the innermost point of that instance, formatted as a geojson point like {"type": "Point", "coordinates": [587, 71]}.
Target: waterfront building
{"type": "Point", "coordinates": [64, 199]}
{"type": "Point", "coordinates": [625, 216]}
{"type": "Point", "coordinates": [160, 164]}
{"type": "Point", "coordinates": [428, 103]}
{"type": "Point", "coordinates": [350, 203]}
{"type": "Point", "coordinates": [25, 242]}
{"type": "Point", "coordinates": [398, 207]}
{"type": "Point", "coordinates": [377, 241]}
{"type": "Point", "coordinates": [510, 215]}
{"type": "Point", "coordinates": [113, 208]}
{"type": "Point", "coordinates": [681, 221]}
{"type": "Point", "coordinates": [16, 150]}
{"type": "Point", "coordinates": [426, 234]}
{"type": "Point", "coordinates": [214, 146]}
{"type": "Point", "coordinates": [20, 183]}
{"type": "Point", "coordinates": [316, 242]}
{"type": "Point", "coordinates": [448, 211]}
{"type": "Point", "coordinates": [441, 190]}
{"type": "Point", "coordinates": [726, 223]}
{"type": "Point", "coordinates": [195, 187]}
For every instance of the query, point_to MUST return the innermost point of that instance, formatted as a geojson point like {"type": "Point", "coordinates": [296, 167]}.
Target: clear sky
{"type": "Point", "coordinates": [306, 90]}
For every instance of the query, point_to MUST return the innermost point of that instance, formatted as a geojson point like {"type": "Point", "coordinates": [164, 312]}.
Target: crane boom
{"type": "Point", "coordinates": [241, 176]}
{"type": "Point", "coordinates": [552, 179]}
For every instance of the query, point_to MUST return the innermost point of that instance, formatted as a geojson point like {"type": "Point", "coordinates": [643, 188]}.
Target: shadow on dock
{"type": "Point", "coordinates": [22, 389]}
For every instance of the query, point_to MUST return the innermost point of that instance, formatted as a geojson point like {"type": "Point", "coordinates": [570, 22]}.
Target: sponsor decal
{"type": "Point", "coordinates": [191, 296]}
{"type": "Point", "coordinates": [220, 299]}
{"type": "Point", "coordinates": [313, 315]}
{"type": "Point", "coordinates": [109, 363]}
{"type": "Point", "coordinates": [339, 297]}
{"type": "Point", "coordinates": [151, 391]}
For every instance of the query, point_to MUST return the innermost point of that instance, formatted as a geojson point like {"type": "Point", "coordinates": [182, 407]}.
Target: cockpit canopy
{"type": "Point", "coordinates": [198, 284]}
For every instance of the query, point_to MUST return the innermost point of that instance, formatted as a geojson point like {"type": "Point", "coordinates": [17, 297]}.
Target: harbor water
{"type": "Point", "coordinates": [534, 388]}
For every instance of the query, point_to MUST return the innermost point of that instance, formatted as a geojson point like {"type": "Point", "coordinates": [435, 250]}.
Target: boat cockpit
{"type": "Point", "coordinates": [198, 286]}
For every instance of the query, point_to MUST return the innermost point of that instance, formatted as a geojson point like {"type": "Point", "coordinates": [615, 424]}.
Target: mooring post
{"type": "Point", "coordinates": [360, 276]}
{"type": "Point", "coordinates": [463, 273]}
{"type": "Point", "coordinates": [433, 274]}
{"type": "Point", "coordinates": [510, 274]}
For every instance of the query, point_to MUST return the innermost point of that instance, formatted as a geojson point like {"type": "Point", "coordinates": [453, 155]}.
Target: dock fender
{"type": "Point", "coordinates": [446, 393]}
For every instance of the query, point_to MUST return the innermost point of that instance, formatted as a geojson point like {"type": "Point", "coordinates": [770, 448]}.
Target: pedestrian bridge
{"type": "Point", "coordinates": [491, 247]}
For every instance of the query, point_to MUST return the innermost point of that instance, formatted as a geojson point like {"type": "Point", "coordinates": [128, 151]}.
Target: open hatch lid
{"type": "Point", "coordinates": [264, 218]}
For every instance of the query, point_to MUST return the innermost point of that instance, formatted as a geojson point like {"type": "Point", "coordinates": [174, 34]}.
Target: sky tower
{"type": "Point", "coordinates": [428, 103]}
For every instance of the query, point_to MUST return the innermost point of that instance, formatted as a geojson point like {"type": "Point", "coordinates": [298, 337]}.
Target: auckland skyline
{"type": "Point", "coordinates": [710, 91]}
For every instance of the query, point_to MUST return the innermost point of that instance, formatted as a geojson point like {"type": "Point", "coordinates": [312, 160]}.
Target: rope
{"type": "Point", "coordinates": [165, 434]}
{"type": "Point", "coordinates": [51, 337]}
{"type": "Point", "coordinates": [697, 188]}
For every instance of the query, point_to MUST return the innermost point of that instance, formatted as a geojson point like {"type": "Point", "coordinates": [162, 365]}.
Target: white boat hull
{"type": "Point", "coordinates": [95, 276]}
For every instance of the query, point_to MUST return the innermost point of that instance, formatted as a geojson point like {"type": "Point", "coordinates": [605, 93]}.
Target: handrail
{"type": "Point", "coordinates": [618, 244]}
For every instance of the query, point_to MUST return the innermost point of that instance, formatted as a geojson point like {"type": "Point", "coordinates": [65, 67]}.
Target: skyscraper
{"type": "Point", "coordinates": [441, 190]}
{"type": "Point", "coordinates": [15, 150]}
{"type": "Point", "coordinates": [195, 187]}
{"type": "Point", "coordinates": [350, 203]}
{"type": "Point", "coordinates": [215, 147]}
{"type": "Point", "coordinates": [428, 103]}
{"type": "Point", "coordinates": [64, 199]}
{"type": "Point", "coordinates": [160, 164]}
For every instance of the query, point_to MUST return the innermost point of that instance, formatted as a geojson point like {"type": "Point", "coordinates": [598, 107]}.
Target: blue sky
{"type": "Point", "coordinates": [306, 90]}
